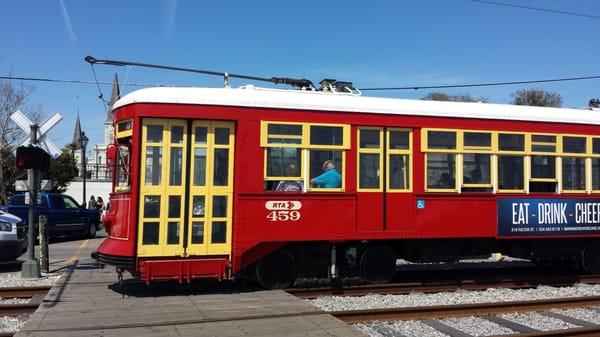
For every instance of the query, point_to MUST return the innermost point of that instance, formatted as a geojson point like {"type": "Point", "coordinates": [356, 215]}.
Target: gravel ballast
{"type": "Point", "coordinates": [338, 303]}
{"type": "Point", "coordinates": [12, 324]}
{"type": "Point", "coordinates": [8, 280]}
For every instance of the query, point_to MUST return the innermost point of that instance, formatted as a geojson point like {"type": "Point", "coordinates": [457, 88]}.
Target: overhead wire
{"type": "Point", "coordinates": [412, 87]}
{"type": "Point", "coordinates": [490, 84]}
{"type": "Point", "coordinates": [536, 9]}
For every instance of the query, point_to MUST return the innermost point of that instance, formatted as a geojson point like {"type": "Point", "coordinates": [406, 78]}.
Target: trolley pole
{"type": "Point", "coordinates": [31, 267]}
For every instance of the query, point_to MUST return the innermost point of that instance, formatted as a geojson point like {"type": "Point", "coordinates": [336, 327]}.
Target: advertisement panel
{"type": "Point", "coordinates": [548, 217]}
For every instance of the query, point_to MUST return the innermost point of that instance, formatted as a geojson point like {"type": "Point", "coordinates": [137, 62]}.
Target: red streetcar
{"type": "Point", "coordinates": [275, 184]}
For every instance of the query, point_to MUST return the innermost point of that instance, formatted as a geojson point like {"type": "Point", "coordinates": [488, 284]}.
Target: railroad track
{"type": "Point", "coordinates": [439, 286]}
{"type": "Point", "coordinates": [429, 315]}
{"type": "Point", "coordinates": [36, 294]}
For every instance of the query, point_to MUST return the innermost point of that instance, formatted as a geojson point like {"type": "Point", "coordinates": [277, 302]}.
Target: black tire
{"type": "Point", "coordinates": [92, 231]}
{"type": "Point", "coordinates": [590, 257]}
{"type": "Point", "coordinates": [277, 271]}
{"type": "Point", "coordinates": [378, 264]}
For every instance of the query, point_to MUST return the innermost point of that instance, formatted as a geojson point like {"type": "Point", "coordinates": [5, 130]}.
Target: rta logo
{"type": "Point", "coordinates": [284, 205]}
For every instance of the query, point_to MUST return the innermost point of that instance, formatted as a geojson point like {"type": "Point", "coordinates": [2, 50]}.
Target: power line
{"type": "Point", "coordinates": [537, 9]}
{"type": "Point", "coordinates": [490, 84]}
{"type": "Point", "coordinates": [42, 79]}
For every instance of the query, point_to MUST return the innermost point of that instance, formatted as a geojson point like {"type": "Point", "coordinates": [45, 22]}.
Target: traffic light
{"type": "Point", "coordinates": [30, 157]}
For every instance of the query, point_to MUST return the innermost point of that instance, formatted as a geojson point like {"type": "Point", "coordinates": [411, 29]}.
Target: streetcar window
{"type": "Point", "coordinates": [543, 167]}
{"type": "Point", "coordinates": [200, 133]}
{"type": "Point", "coordinates": [152, 206]}
{"type": "Point", "coordinates": [219, 232]}
{"type": "Point", "coordinates": [369, 170]}
{"type": "Point", "coordinates": [596, 145]}
{"type": "Point", "coordinates": [476, 172]}
{"type": "Point", "coordinates": [175, 166]}
{"type": "Point", "coordinates": [221, 167]}
{"type": "Point", "coordinates": [511, 173]}
{"type": "Point", "coordinates": [399, 172]}
{"type": "Point", "coordinates": [153, 165]}
{"type": "Point", "coordinates": [326, 135]}
{"type": "Point", "coordinates": [441, 140]}
{"type": "Point", "coordinates": [284, 162]}
{"type": "Point", "coordinates": [198, 232]}
{"type": "Point", "coordinates": [176, 134]}
{"type": "Point", "coordinates": [369, 158]}
{"type": "Point", "coordinates": [477, 140]}
{"type": "Point", "coordinates": [441, 171]}
{"type": "Point", "coordinates": [295, 150]}
{"type": "Point", "coordinates": [399, 140]}
{"type": "Point", "coordinates": [326, 168]}
{"type": "Point", "coordinates": [574, 144]}
{"type": "Point", "coordinates": [174, 206]}
{"type": "Point", "coordinates": [543, 143]}
{"type": "Point", "coordinates": [173, 233]}
{"type": "Point", "coordinates": [150, 230]}
{"type": "Point", "coordinates": [573, 173]}
{"type": "Point", "coordinates": [154, 133]}
{"type": "Point", "coordinates": [221, 136]}
{"type": "Point", "coordinates": [398, 152]}
{"type": "Point", "coordinates": [511, 142]}
{"type": "Point", "coordinates": [199, 166]}
{"type": "Point", "coordinates": [595, 174]}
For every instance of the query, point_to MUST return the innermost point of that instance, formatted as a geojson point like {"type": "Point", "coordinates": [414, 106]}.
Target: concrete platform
{"type": "Point", "coordinates": [87, 301]}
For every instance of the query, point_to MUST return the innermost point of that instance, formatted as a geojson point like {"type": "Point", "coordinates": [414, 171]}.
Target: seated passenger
{"type": "Point", "coordinates": [331, 178]}
{"type": "Point", "coordinates": [290, 185]}
{"type": "Point", "coordinates": [445, 181]}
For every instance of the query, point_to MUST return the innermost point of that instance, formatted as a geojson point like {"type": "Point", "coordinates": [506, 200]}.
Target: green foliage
{"type": "Point", "coordinates": [536, 97]}
{"type": "Point", "coordinates": [9, 170]}
{"type": "Point", "coordinates": [440, 96]}
{"type": "Point", "coordinates": [62, 170]}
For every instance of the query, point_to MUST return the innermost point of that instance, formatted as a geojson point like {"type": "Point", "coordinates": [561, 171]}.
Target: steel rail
{"type": "Point", "coordinates": [593, 331]}
{"type": "Point", "coordinates": [433, 287]}
{"type": "Point", "coordinates": [462, 310]}
{"type": "Point", "coordinates": [23, 292]}
{"type": "Point", "coordinates": [18, 309]}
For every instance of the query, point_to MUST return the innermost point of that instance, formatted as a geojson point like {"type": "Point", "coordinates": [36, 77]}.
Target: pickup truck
{"type": "Point", "coordinates": [65, 216]}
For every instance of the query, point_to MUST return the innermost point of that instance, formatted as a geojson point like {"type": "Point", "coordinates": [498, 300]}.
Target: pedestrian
{"type": "Point", "coordinates": [92, 203]}
{"type": "Point", "coordinates": [100, 204]}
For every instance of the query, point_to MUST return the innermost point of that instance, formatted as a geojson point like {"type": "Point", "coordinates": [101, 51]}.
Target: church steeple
{"type": "Point", "coordinates": [77, 133]}
{"type": "Point", "coordinates": [115, 95]}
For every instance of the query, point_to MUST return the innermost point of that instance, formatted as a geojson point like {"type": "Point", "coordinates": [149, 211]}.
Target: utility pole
{"type": "Point", "coordinates": [31, 267]}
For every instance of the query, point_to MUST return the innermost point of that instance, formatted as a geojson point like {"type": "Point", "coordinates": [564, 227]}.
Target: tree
{"type": "Point", "coordinates": [536, 97]}
{"type": "Point", "coordinates": [12, 98]}
{"type": "Point", "coordinates": [62, 169]}
{"type": "Point", "coordinates": [440, 96]}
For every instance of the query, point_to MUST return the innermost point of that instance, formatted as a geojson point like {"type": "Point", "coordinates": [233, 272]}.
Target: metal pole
{"type": "Point", "coordinates": [44, 258]}
{"type": "Point", "coordinates": [83, 169]}
{"type": "Point", "coordinates": [31, 267]}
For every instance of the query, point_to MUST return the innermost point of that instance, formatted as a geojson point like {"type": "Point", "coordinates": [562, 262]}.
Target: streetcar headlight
{"type": "Point", "coordinates": [5, 226]}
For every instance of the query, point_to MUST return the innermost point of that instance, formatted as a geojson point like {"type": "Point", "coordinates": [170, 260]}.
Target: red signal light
{"type": "Point", "coordinates": [30, 157]}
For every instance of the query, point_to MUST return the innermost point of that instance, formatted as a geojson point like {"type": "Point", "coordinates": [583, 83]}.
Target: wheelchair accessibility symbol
{"type": "Point", "coordinates": [420, 204]}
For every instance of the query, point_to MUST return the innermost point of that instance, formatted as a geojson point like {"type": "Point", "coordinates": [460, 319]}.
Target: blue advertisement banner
{"type": "Point", "coordinates": [548, 217]}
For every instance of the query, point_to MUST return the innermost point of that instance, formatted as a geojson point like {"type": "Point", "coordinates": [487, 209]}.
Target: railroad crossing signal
{"type": "Point", "coordinates": [44, 142]}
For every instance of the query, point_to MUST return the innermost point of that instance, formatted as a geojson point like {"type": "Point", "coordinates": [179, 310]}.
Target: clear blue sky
{"type": "Point", "coordinates": [371, 43]}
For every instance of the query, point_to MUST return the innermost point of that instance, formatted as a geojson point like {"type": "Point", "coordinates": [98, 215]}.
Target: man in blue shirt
{"type": "Point", "coordinates": [331, 178]}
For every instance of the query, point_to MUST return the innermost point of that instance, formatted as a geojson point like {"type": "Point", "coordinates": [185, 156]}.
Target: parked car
{"type": "Point", "coordinates": [65, 216]}
{"type": "Point", "coordinates": [13, 237]}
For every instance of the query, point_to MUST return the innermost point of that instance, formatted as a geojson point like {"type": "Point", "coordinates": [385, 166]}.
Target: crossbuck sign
{"type": "Point", "coordinates": [44, 142]}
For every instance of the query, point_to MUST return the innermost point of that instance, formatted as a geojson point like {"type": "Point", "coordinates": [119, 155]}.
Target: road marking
{"type": "Point", "coordinates": [81, 247]}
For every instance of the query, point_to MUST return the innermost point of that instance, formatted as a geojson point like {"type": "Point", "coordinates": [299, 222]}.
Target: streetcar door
{"type": "Point", "coordinates": [384, 197]}
{"type": "Point", "coordinates": [211, 187]}
{"type": "Point", "coordinates": [162, 187]}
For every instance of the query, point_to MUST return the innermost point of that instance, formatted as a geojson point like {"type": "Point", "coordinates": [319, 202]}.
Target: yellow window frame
{"type": "Point", "coordinates": [588, 146]}
{"type": "Point", "coordinates": [273, 178]}
{"type": "Point", "coordinates": [406, 152]}
{"type": "Point", "coordinates": [425, 143]}
{"type": "Point", "coordinates": [557, 167]}
{"type": "Point", "coordinates": [456, 182]}
{"type": "Point", "coordinates": [492, 175]}
{"type": "Point", "coordinates": [585, 176]}
{"type": "Point", "coordinates": [525, 172]}
{"type": "Point", "coordinates": [325, 189]}
{"type": "Point", "coordinates": [557, 144]}
{"type": "Point", "coordinates": [378, 151]}
{"type": "Point", "coordinates": [264, 135]}
{"type": "Point", "coordinates": [125, 133]}
{"type": "Point", "coordinates": [526, 145]}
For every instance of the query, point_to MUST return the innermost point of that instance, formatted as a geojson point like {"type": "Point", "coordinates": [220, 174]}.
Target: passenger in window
{"type": "Point", "coordinates": [290, 185]}
{"type": "Point", "coordinates": [445, 181]}
{"type": "Point", "coordinates": [331, 178]}
{"type": "Point", "coordinates": [473, 178]}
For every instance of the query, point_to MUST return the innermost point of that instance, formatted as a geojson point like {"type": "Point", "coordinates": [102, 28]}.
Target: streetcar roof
{"type": "Point", "coordinates": [250, 96]}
